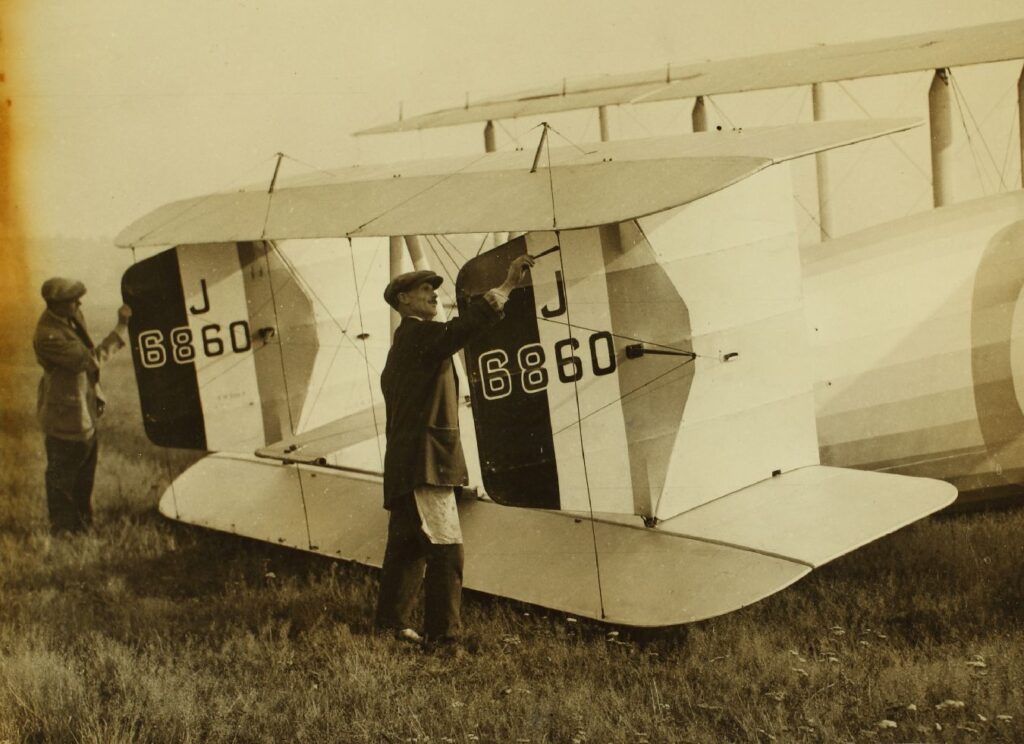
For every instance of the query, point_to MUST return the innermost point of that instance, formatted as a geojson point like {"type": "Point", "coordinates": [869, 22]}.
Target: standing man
{"type": "Point", "coordinates": [424, 463]}
{"type": "Point", "coordinates": [70, 400]}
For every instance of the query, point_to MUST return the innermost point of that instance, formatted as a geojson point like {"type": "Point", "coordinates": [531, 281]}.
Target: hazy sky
{"type": "Point", "coordinates": [122, 105]}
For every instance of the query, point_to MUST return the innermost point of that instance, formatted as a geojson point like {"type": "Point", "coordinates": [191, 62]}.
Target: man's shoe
{"type": "Point", "coordinates": [408, 635]}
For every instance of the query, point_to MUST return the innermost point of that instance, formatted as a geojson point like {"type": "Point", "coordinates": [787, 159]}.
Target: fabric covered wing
{"type": "Point", "coordinates": [606, 183]}
{"type": "Point", "coordinates": [927, 51]}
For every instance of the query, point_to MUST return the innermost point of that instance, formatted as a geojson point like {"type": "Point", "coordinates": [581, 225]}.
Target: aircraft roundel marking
{"type": "Point", "coordinates": [998, 284]}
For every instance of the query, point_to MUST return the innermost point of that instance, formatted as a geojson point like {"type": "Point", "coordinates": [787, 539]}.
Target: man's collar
{"type": "Point", "coordinates": [60, 318]}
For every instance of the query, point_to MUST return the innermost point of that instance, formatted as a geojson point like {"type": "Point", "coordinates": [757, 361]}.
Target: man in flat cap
{"type": "Point", "coordinates": [424, 463]}
{"type": "Point", "coordinates": [70, 399]}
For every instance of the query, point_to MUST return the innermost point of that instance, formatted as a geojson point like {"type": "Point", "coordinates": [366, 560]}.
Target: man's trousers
{"type": "Point", "coordinates": [70, 470]}
{"type": "Point", "coordinates": [408, 553]}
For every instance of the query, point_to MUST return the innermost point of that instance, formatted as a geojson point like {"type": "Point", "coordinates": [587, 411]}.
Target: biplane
{"type": "Point", "coordinates": [682, 412]}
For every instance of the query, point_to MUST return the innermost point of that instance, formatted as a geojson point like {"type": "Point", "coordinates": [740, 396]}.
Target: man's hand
{"type": "Point", "coordinates": [516, 271]}
{"type": "Point", "coordinates": [123, 313]}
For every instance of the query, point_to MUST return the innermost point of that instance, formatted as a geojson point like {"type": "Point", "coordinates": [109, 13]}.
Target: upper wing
{"type": "Point", "coordinates": [993, 42]}
{"type": "Point", "coordinates": [610, 182]}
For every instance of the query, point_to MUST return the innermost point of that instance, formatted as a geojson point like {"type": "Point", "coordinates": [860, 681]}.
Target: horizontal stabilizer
{"type": "Point", "coordinates": [993, 42]}
{"type": "Point", "coordinates": [323, 444]}
{"type": "Point", "coordinates": [815, 514]}
{"type": "Point", "coordinates": [742, 549]}
{"type": "Point", "coordinates": [606, 183]}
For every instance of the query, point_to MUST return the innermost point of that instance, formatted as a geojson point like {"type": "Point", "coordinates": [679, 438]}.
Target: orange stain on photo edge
{"type": "Point", "coordinates": [17, 303]}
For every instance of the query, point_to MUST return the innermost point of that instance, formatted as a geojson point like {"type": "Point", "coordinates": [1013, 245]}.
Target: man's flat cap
{"type": "Point", "coordinates": [407, 281]}
{"type": "Point", "coordinates": [59, 289]}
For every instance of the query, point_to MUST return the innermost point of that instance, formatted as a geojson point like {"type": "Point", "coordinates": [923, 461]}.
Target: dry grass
{"type": "Point", "coordinates": [150, 631]}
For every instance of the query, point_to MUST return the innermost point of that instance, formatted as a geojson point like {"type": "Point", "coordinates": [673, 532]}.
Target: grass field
{"type": "Point", "coordinates": [149, 631]}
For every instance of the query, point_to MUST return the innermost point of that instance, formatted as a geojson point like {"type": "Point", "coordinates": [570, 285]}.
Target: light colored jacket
{"type": "Point", "coordinates": [70, 399]}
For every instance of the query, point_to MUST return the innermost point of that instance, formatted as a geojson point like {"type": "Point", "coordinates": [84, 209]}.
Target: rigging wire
{"type": "Point", "coordinates": [576, 390]}
{"type": "Point", "coordinates": [442, 248]}
{"type": "Point", "coordinates": [284, 379]}
{"type": "Point", "coordinates": [337, 347]}
{"type": "Point", "coordinates": [369, 381]}
{"type": "Point", "coordinates": [1009, 140]}
{"type": "Point", "coordinates": [624, 337]}
{"type": "Point", "coordinates": [199, 202]}
{"type": "Point", "coordinates": [983, 182]}
{"type": "Point", "coordinates": [422, 191]}
{"type": "Point", "coordinates": [309, 287]}
{"type": "Point", "coordinates": [311, 167]}
{"type": "Point", "coordinates": [483, 242]}
{"type": "Point", "coordinates": [628, 108]}
{"type": "Point", "coordinates": [725, 116]}
{"type": "Point", "coordinates": [362, 286]}
{"type": "Point", "coordinates": [814, 218]}
{"type": "Point", "coordinates": [965, 106]}
{"type": "Point", "coordinates": [628, 393]}
{"type": "Point", "coordinates": [439, 251]}
{"type": "Point", "coordinates": [784, 104]}
{"type": "Point", "coordinates": [927, 176]}
{"type": "Point", "coordinates": [513, 137]}
{"type": "Point", "coordinates": [455, 248]}
{"type": "Point", "coordinates": [582, 151]}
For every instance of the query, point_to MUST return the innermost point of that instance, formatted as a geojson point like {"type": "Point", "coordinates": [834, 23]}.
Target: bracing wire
{"type": "Point", "coordinates": [982, 181]}
{"type": "Point", "coordinates": [927, 177]}
{"type": "Point", "coordinates": [966, 107]}
{"type": "Point", "coordinates": [813, 217]}
{"type": "Point", "coordinates": [511, 136]}
{"type": "Point", "coordinates": [483, 242]}
{"type": "Point", "coordinates": [362, 286]}
{"type": "Point", "coordinates": [1009, 141]}
{"type": "Point", "coordinates": [284, 378]}
{"type": "Point", "coordinates": [369, 380]}
{"type": "Point", "coordinates": [784, 104]}
{"type": "Point", "coordinates": [632, 115]}
{"type": "Point", "coordinates": [453, 246]}
{"type": "Point", "coordinates": [337, 347]}
{"type": "Point", "coordinates": [627, 394]}
{"type": "Point", "coordinates": [725, 116]}
{"type": "Point", "coordinates": [422, 191]}
{"type": "Point", "coordinates": [576, 391]}
{"type": "Point", "coordinates": [439, 251]}
{"type": "Point", "coordinates": [277, 322]}
{"type": "Point", "coordinates": [582, 151]}
{"type": "Point", "coordinates": [203, 200]}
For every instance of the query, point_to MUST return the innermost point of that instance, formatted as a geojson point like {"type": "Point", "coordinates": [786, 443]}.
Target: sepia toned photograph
{"type": "Point", "coordinates": [511, 371]}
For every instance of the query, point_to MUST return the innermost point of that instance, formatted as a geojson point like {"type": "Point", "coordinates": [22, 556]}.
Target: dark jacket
{"type": "Point", "coordinates": [70, 399]}
{"type": "Point", "coordinates": [421, 397]}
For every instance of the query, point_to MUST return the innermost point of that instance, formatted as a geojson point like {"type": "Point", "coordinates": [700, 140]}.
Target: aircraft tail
{"type": "Point", "coordinates": [223, 339]}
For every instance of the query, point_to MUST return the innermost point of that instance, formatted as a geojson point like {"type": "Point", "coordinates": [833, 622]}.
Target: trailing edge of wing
{"type": "Point", "coordinates": [936, 49]}
{"type": "Point", "coordinates": [607, 183]}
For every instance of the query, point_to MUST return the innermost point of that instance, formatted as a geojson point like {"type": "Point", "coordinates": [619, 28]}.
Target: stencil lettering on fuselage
{"type": "Point", "coordinates": [564, 418]}
{"type": "Point", "coordinates": [218, 340]}
{"type": "Point", "coordinates": [168, 391]}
